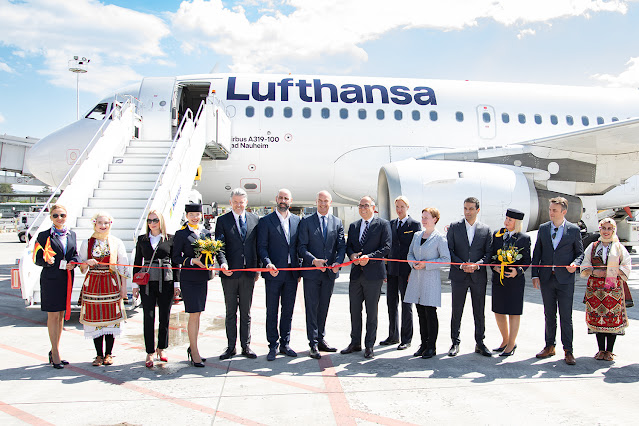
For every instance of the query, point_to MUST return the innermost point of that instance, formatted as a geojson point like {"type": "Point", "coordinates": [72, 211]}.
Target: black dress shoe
{"type": "Point", "coordinates": [504, 353]}
{"type": "Point", "coordinates": [420, 351]}
{"type": "Point", "coordinates": [227, 354]}
{"type": "Point", "coordinates": [351, 348]}
{"type": "Point", "coordinates": [286, 350]}
{"type": "Point", "coordinates": [454, 349]}
{"type": "Point", "coordinates": [498, 350]}
{"type": "Point", "coordinates": [248, 352]}
{"type": "Point", "coordinates": [272, 353]}
{"type": "Point", "coordinates": [314, 352]}
{"type": "Point", "coordinates": [323, 346]}
{"type": "Point", "coordinates": [428, 353]}
{"type": "Point", "coordinates": [388, 342]}
{"type": "Point", "coordinates": [368, 353]}
{"type": "Point", "coordinates": [480, 348]}
{"type": "Point", "coordinates": [403, 346]}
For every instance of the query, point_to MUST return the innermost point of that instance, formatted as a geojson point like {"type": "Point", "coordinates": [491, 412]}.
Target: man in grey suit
{"type": "Point", "coordinates": [469, 242]}
{"type": "Point", "coordinates": [558, 243]}
{"type": "Point", "coordinates": [320, 243]}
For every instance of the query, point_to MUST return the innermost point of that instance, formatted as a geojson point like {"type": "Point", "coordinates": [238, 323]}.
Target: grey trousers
{"type": "Point", "coordinates": [238, 292]}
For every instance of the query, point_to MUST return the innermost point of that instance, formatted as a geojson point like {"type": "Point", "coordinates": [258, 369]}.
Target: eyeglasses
{"type": "Point", "coordinates": [554, 234]}
{"type": "Point", "coordinates": [156, 220]}
{"type": "Point", "coordinates": [364, 206]}
{"type": "Point", "coordinates": [56, 215]}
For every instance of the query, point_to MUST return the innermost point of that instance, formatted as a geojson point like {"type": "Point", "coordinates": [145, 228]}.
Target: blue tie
{"type": "Point", "coordinates": [242, 228]}
{"type": "Point", "coordinates": [324, 232]}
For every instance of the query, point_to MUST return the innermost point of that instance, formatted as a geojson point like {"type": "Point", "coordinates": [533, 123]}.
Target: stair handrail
{"type": "Point", "coordinates": [127, 104]}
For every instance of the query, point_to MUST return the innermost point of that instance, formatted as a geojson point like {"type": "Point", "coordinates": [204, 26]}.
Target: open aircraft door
{"type": "Point", "coordinates": [156, 96]}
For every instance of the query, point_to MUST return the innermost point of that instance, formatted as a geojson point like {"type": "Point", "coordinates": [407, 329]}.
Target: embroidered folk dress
{"type": "Point", "coordinates": [102, 309]}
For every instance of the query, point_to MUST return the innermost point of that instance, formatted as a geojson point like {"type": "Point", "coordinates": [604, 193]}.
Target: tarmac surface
{"type": "Point", "coordinates": [391, 389]}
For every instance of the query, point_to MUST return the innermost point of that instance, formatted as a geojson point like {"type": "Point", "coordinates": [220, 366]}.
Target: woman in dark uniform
{"type": "Point", "coordinates": [194, 277]}
{"type": "Point", "coordinates": [155, 244]}
{"type": "Point", "coordinates": [54, 276]}
{"type": "Point", "coordinates": [508, 298]}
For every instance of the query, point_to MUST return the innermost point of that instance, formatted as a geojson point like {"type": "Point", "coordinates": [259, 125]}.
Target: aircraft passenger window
{"type": "Point", "coordinates": [459, 116]}
{"type": "Point", "coordinates": [433, 116]}
{"type": "Point", "coordinates": [250, 111]}
{"type": "Point", "coordinates": [614, 119]}
{"type": "Point", "coordinates": [553, 119]}
{"type": "Point", "coordinates": [416, 115]}
{"type": "Point", "coordinates": [268, 112]}
{"type": "Point", "coordinates": [325, 112]}
{"type": "Point", "coordinates": [522, 118]}
{"type": "Point", "coordinates": [600, 120]}
{"type": "Point", "coordinates": [361, 113]}
{"type": "Point", "coordinates": [306, 112]}
{"type": "Point", "coordinates": [380, 114]}
{"type": "Point", "coordinates": [98, 113]}
{"type": "Point", "coordinates": [486, 117]}
{"type": "Point", "coordinates": [569, 120]}
{"type": "Point", "coordinates": [505, 117]}
{"type": "Point", "coordinates": [398, 115]}
{"type": "Point", "coordinates": [343, 113]}
{"type": "Point", "coordinates": [584, 120]}
{"type": "Point", "coordinates": [537, 118]}
{"type": "Point", "coordinates": [288, 112]}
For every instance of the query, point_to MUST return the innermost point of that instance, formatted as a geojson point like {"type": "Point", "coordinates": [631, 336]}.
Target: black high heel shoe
{"type": "Point", "coordinates": [56, 366]}
{"type": "Point", "coordinates": [499, 350]}
{"type": "Point", "coordinates": [193, 363]}
{"type": "Point", "coordinates": [504, 353]}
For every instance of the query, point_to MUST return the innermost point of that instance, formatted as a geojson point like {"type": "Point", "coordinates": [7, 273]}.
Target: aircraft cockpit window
{"type": "Point", "coordinates": [416, 115]}
{"type": "Point", "coordinates": [325, 112]}
{"type": "Point", "coordinates": [486, 117]}
{"type": "Point", "coordinates": [459, 116]}
{"type": "Point", "coordinates": [288, 112]}
{"type": "Point", "coordinates": [554, 120]}
{"type": "Point", "coordinates": [600, 120]}
{"type": "Point", "coordinates": [537, 118]}
{"type": "Point", "coordinates": [343, 113]}
{"type": "Point", "coordinates": [521, 118]}
{"type": "Point", "coordinates": [398, 114]}
{"type": "Point", "coordinates": [268, 112]}
{"type": "Point", "coordinates": [433, 116]}
{"type": "Point", "coordinates": [361, 113]}
{"type": "Point", "coordinates": [250, 111]}
{"type": "Point", "coordinates": [380, 114]}
{"type": "Point", "coordinates": [614, 119]}
{"type": "Point", "coordinates": [306, 112]}
{"type": "Point", "coordinates": [505, 117]}
{"type": "Point", "coordinates": [99, 112]}
{"type": "Point", "coordinates": [569, 120]}
{"type": "Point", "coordinates": [585, 121]}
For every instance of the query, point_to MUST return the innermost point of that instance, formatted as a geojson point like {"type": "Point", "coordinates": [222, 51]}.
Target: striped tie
{"type": "Point", "coordinates": [361, 240]}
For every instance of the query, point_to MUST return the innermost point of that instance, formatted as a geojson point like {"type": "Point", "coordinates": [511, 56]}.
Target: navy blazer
{"type": "Point", "coordinates": [377, 244]}
{"type": "Point", "coordinates": [237, 253]}
{"type": "Point", "coordinates": [272, 246]}
{"type": "Point", "coordinates": [53, 272]}
{"type": "Point", "coordinates": [183, 252]}
{"type": "Point", "coordinates": [569, 250]}
{"type": "Point", "coordinates": [519, 240]}
{"type": "Point", "coordinates": [311, 245]}
{"type": "Point", "coordinates": [402, 237]}
{"type": "Point", "coordinates": [461, 252]}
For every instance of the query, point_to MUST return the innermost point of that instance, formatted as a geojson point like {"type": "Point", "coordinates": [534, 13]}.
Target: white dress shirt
{"type": "Point", "coordinates": [470, 231]}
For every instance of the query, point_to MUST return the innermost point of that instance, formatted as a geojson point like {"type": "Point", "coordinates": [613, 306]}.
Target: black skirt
{"type": "Point", "coordinates": [508, 299]}
{"type": "Point", "coordinates": [53, 294]}
{"type": "Point", "coordinates": [194, 295]}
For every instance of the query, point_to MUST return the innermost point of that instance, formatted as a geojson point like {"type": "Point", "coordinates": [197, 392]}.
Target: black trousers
{"type": "Point", "coordinates": [238, 293]}
{"type": "Point", "coordinates": [317, 297]}
{"type": "Point", "coordinates": [558, 296]}
{"type": "Point", "coordinates": [163, 300]}
{"type": "Point", "coordinates": [395, 291]}
{"type": "Point", "coordinates": [478, 298]}
{"type": "Point", "coordinates": [367, 292]}
{"type": "Point", "coordinates": [428, 325]}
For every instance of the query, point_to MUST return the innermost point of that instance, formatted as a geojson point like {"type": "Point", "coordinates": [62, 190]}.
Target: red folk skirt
{"type": "Point", "coordinates": [102, 307]}
{"type": "Point", "coordinates": [605, 309]}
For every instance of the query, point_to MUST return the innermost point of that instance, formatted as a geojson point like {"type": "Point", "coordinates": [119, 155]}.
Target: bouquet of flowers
{"type": "Point", "coordinates": [208, 248]}
{"type": "Point", "coordinates": [506, 256]}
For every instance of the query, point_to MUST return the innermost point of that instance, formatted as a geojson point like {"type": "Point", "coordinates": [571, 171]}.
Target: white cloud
{"type": "Point", "coordinates": [6, 68]}
{"type": "Point", "coordinates": [627, 78]}
{"type": "Point", "coordinates": [109, 35]}
{"type": "Point", "coordinates": [526, 32]}
{"type": "Point", "coordinates": [1, 119]}
{"type": "Point", "coordinates": [315, 30]}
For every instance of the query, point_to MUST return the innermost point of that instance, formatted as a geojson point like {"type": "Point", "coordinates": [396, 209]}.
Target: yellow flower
{"type": "Point", "coordinates": [501, 259]}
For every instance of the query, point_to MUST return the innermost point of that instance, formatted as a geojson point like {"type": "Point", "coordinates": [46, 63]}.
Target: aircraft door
{"type": "Point", "coordinates": [156, 96]}
{"type": "Point", "coordinates": [486, 121]}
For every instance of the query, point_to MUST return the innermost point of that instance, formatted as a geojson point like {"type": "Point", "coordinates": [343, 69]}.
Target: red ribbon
{"type": "Point", "coordinates": [67, 315]}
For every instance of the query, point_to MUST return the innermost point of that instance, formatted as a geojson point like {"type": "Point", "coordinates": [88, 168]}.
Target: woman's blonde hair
{"type": "Point", "coordinates": [56, 207]}
{"type": "Point", "coordinates": [95, 217]}
{"type": "Point", "coordinates": [518, 225]}
{"type": "Point", "coordinates": [162, 225]}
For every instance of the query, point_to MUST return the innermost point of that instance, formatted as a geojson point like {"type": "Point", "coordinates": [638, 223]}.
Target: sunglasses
{"type": "Point", "coordinates": [156, 220]}
{"type": "Point", "coordinates": [555, 233]}
{"type": "Point", "coordinates": [56, 215]}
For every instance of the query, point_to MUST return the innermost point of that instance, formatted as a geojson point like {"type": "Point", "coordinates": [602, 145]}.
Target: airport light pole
{"type": "Point", "coordinates": [78, 66]}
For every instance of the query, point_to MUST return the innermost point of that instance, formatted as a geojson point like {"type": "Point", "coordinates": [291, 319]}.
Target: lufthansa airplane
{"type": "Point", "coordinates": [434, 141]}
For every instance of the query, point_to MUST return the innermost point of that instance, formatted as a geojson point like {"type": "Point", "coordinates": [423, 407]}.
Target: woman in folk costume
{"type": "Point", "coordinates": [607, 265]}
{"type": "Point", "coordinates": [104, 287]}
{"type": "Point", "coordinates": [194, 276]}
{"type": "Point", "coordinates": [55, 251]}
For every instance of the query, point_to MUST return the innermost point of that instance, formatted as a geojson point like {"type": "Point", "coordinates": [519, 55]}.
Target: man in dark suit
{"type": "Point", "coordinates": [402, 230]}
{"type": "Point", "coordinates": [277, 248]}
{"type": "Point", "coordinates": [320, 243]}
{"type": "Point", "coordinates": [237, 229]}
{"type": "Point", "coordinates": [558, 243]}
{"type": "Point", "coordinates": [469, 242]}
{"type": "Point", "coordinates": [369, 237]}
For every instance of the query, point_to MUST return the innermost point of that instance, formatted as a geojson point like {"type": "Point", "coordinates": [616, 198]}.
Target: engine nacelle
{"type": "Point", "coordinates": [445, 185]}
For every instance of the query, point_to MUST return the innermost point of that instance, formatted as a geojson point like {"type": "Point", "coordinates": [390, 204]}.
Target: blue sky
{"type": "Point", "coordinates": [579, 42]}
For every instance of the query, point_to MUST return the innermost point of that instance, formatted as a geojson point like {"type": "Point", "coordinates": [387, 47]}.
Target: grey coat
{"type": "Point", "coordinates": [425, 285]}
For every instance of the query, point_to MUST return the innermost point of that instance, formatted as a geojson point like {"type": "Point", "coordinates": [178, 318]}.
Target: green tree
{"type": "Point", "coordinates": [6, 188]}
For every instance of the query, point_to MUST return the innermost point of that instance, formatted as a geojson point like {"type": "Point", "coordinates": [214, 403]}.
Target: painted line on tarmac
{"type": "Point", "coordinates": [22, 415]}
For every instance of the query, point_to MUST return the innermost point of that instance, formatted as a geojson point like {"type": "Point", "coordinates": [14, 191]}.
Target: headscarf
{"type": "Point", "coordinates": [614, 253]}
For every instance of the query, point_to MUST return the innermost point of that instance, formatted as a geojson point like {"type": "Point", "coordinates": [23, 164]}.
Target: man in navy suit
{"type": "Point", "coordinates": [470, 243]}
{"type": "Point", "coordinates": [402, 230]}
{"type": "Point", "coordinates": [320, 243]}
{"type": "Point", "coordinates": [368, 238]}
{"type": "Point", "coordinates": [558, 243]}
{"type": "Point", "coordinates": [277, 248]}
{"type": "Point", "coordinates": [237, 229]}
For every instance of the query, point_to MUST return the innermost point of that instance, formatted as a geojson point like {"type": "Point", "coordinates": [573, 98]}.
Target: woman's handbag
{"type": "Point", "coordinates": [142, 278]}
